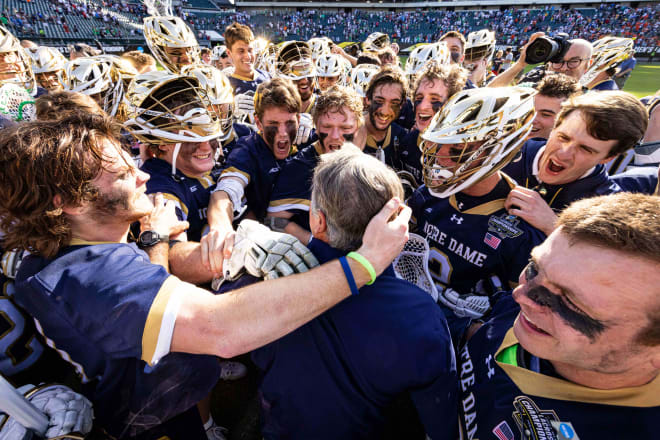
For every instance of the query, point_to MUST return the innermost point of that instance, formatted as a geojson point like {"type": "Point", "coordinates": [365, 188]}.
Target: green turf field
{"type": "Point", "coordinates": [644, 81]}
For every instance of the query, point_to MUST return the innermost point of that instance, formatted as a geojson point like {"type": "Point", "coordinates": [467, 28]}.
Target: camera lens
{"type": "Point", "coordinates": [541, 50]}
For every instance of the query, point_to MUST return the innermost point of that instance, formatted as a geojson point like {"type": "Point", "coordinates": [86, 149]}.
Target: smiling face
{"type": "Point", "coordinates": [305, 88]}
{"type": "Point", "coordinates": [547, 109]}
{"type": "Point", "coordinates": [180, 56]}
{"type": "Point", "coordinates": [49, 81]}
{"type": "Point", "coordinates": [325, 82]}
{"type": "Point", "coordinates": [278, 128]}
{"type": "Point", "coordinates": [10, 65]}
{"type": "Point", "coordinates": [336, 127]}
{"type": "Point", "coordinates": [583, 306]}
{"type": "Point", "coordinates": [385, 105]}
{"type": "Point", "coordinates": [242, 56]}
{"type": "Point", "coordinates": [194, 158]}
{"type": "Point", "coordinates": [429, 98]}
{"type": "Point", "coordinates": [122, 188]}
{"type": "Point", "coordinates": [571, 151]}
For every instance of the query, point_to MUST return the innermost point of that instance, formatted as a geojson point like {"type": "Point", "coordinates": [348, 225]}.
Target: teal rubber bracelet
{"type": "Point", "coordinates": [365, 263]}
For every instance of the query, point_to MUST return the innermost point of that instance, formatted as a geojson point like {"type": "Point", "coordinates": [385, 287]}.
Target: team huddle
{"type": "Point", "coordinates": [482, 250]}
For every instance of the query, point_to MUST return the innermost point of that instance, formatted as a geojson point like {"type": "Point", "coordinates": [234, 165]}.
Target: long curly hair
{"type": "Point", "coordinates": [45, 165]}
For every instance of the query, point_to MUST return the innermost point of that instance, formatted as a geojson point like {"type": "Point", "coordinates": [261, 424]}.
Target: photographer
{"type": "Point", "coordinates": [574, 63]}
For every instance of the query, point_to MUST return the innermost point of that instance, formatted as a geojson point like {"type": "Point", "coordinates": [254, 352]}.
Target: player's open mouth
{"type": "Point", "coordinates": [282, 146]}
{"type": "Point", "coordinates": [535, 129]}
{"type": "Point", "coordinates": [554, 167]}
{"type": "Point", "coordinates": [202, 156]}
{"type": "Point", "coordinates": [425, 118]}
{"type": "Point", "coordinates": [382, 119]}
{"type": "Point", "coordinates": [530, 325]}
{"type": "Point", "coordinates": [334, 147]}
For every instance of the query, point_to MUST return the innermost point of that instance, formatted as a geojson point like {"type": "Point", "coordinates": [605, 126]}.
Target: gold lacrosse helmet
{"type": "Point", "coordinates": [171, 42]}
{"type": "Point", "coordinates": [608, 53]}
{"type": "Point", "coordinates": [475, 135]}
{"type": "Point", "coordinates": [98, 77]}
{"type": "Point", "coordinates": [15, 63]}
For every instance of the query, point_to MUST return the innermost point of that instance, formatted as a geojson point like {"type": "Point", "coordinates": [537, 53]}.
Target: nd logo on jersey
{"type": "Point", "coordinates": [538, 424]}
{"type": "Point", "coordinates": [506, 226]}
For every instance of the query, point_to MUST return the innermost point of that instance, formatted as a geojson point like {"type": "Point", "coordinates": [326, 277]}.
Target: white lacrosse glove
{"type": "Point", "coordinates": [244, 107]}
{"type": "Point", "coordinates": [471, 305]}
{"type": "Point", "coordinates": [304, 128]}
{"type": "Point", "coordinates": [266, 254]}
{"type": "Point", "coordinates": [68, 413]}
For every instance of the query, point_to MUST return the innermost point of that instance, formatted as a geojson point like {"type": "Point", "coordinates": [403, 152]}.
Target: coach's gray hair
{"type": "Point", "coordinates": [350, 187]}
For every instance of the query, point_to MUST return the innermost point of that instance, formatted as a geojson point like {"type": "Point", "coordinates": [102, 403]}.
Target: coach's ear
{"type": "Point", "coordinates": [318, 225]}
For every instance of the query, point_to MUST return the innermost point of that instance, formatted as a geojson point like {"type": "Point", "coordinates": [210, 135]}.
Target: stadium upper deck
{"type": "Point", "coordinates": [58, 22]}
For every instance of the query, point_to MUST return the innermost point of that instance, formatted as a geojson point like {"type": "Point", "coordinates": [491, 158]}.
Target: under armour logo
{"type": "Point", "coordinates": [193, 188]}
{"type": "Point", "coordinates": [456, 219]}
{"type": "Point", "coordinates": [273, 170]}
{"type": "Point", "coordinates": [491, 370]}
{"type": "Point", "coordinates": [428, 210]}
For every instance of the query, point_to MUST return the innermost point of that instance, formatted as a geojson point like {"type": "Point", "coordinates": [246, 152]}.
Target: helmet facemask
{"type": "Point", "coordinates": [171, 42]}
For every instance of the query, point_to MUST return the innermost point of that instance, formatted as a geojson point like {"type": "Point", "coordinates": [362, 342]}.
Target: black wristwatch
{"type": "Point", "coordinates": [150, 238]}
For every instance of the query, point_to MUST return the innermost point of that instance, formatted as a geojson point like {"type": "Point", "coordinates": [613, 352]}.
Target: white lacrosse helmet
{"type": "Point", "coordinates": [422, 54]}
{"type": "Point", "coordinates": [217, 52]}
{"type": "Point", "coordinates": [375, 42]}
{"type": "Point", "coordinates": [47, 59]}
{"type": "Point", "coordinates": [475, 135]}
{"type": "Point", "coordinates": [20, 70]}
{"type": "Point", "coordinates": [609, 52]}
{"type": "Point", "coordinates": [219, 91]}
{"type": "Point", "coordinates": [479, 45]}
{"type": "Point", "coordinates": [319, 46]}
{"type": "Point", "coordinates": [266, 60]}
{"type": "Point", "coordinates": [16, 103]}
{"type": "Point", "coordinates": [294, 60]}
{"type": "Point", "coordinates": [163, 32]}
{"type": "Point", "coordinates": [97, 75]}
{"type": "Point", "coordinates": [330, 65]}
{"type": "Point", "coordinates": [361, 76]}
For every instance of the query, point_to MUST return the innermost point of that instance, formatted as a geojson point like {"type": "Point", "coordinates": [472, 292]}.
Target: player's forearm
{"type": "Point", "coordinates": [220, 214]}
{"type": "Point", "coordinates": [507, 77]}
{"type": "Point", "coordinates": [159, 254]}
{"type": "Point", "coordinates": [261, 313]}
{"type": "Point", "coordinates": [185, 260]}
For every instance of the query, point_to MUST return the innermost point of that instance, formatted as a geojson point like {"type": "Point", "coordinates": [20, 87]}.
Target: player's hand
{"type": "Point", "coordinates": [266, 254]}
{"type": "Point", "coordinates": [386, 234]}
{"type": "Point", "coordinates": [471, 305]}
{"type": "Point", "coordinates": [523, 50]}
{"type": "Point", "coordinates": [244, 107]}
{"type": "Point", "coordinates": [163, 218]}
{"type": "Point", "coordinates": [68, 413]}
{"type": "Point", "coordinates": [530, 206]}
{"type": "Point", "coordinates": [305, 127]}
{"type": "Point", "coordinates": [217, 247]}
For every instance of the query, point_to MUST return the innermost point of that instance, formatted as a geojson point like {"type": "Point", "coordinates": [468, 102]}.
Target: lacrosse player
{"type": "Point", "coordinates": [460, 211]}
{"type": "Point", "coordinates": [138, 333]}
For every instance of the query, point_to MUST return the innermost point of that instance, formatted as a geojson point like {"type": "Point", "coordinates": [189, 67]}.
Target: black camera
{"type": "Point", "coordinates": [545, 49]}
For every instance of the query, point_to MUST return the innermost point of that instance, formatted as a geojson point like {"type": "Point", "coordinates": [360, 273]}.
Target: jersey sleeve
{"type": "Point", "coordinates": [240, 163]}
{"type": "Point", "coordinates": [128, 313]}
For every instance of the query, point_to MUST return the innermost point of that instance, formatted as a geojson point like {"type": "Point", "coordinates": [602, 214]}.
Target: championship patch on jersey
{"type": "Point", "coordinates": [538, 424]}
{"type": "Point", "coordinates": [505, 225]}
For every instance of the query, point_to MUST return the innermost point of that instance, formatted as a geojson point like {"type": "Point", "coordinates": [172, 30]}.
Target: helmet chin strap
{"type": "Point", "coordinates": [175, 153]}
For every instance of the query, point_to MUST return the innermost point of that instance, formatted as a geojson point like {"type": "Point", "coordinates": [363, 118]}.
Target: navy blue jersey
{"type": "Point", "coordinates": [332, 378]}
{"type": "Point", "coordinates": [389, 146]}
{"type": "Point", "coordinates": [406, 117]}
{"type": "Point", "coordinates": [25, 358]}
{"type": "Point", "coordinates": [293, 188]}
{"type": "Point", "coordinates": [472, 238]}
{"type": "Point", "coordinates": [410, 156]}
{"type": "Point", "coordinates": [502, 397]}
{"type": "Point", "coordinates": [111, 312]}
{"type": "Point", "coordinates": [253, 162]}
{"type": "Point", "coordinates": [607, 84]}
{"type": "Point", "coordinates": [190, 194]}
{"type": "Point", "coordinates": [241, 84]}
{"type": "Point", "coordinates": [524, 170]}
{"type": "Point", "coordinates": [640, 179]}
